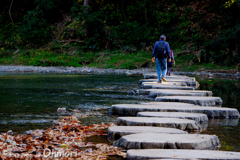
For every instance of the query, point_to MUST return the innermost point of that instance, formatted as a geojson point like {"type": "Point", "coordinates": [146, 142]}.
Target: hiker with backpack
{"type": "Point", "coordinates": [160, 53]}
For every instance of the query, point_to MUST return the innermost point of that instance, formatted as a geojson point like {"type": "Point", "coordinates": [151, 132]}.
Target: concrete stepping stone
{"type": "Point", "coordinates": [154, 76]}
{"type": "Point", "coordinates": [201, 101]}
{"type": "Point", "coordinates": [188, 82]}
{"type": "Point", "coordinates": [116, 132]}
{"type": "Point", "coordinates": [168, 141]}
{"type": "Point", "coordinates": [153, 93]}
{"type": "Point", "coordinates": [169, 83]}
{"type": "Point", "coordinates": [196, 93]}
{"type": "Point", "coordinates": [183, 124]}
{"type": "Point", "coordinates": [144, 154]}
{"type": "Point", "coordinates": [211, 112]}
{"type": "Point", "coordinates": [198, 117]}
{"type": "Point", "coordinates": [165, 86]}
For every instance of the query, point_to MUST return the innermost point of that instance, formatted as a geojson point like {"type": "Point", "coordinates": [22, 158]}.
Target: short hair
{"type": "Point", "coordinates": [162, 37]}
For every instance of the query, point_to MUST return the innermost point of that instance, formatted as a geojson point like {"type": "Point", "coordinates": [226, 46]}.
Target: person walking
{"type": "Point", "coordinates": [160, 53]}
{"type": "Point", "coordinates": [170, 62]}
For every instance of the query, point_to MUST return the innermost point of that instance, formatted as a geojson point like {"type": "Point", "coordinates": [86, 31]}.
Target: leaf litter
{"type": "Point", "coordinates": [65, 140]}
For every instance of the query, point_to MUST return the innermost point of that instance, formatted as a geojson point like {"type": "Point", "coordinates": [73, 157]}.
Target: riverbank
{"type": "Point", "coordinates": [64, 140]}
{"type": "Point", "coordinates": [92, 70]}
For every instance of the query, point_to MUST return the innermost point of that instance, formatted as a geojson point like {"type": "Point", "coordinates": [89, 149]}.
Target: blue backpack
{"type": "Point", "coordinates": [160, 51]}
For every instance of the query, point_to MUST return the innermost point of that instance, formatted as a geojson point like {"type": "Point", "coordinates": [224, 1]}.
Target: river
{"type": "Point", "coordinates": [30, 101]}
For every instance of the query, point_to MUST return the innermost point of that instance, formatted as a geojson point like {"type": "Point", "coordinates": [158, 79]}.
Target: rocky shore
{"type": "Point", "coordinates": [90, 70]}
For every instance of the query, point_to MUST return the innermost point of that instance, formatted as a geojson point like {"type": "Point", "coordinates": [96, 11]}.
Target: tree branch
{"type": "Point", "coordinates": [123, 12]}
{"type": "Point", "coordinates": [10, 12]}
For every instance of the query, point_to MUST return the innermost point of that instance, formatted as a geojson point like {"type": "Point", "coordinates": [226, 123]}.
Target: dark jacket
{"type": "Point", "coordinates": [171, 55]}
{"type": "Point", "coordinates": [166, 47]}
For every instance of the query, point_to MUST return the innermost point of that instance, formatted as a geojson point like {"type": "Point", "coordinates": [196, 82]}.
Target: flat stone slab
{"type": "Point", "coordinates": [196, 93]}
{"type": "Point", "coordinates": [211, 112]}
{"type": "Point", "coordinates": [168, 141]}
{"type": "Point", "coordinates": [201, 101]}
{"type": "Point", "coordinates": [153, 93]}
{"type": "Point", "coordinates": [198, 117]}
{"type": "Point", "coordinates": [188, 82]}
{"type": "Point", "coordinates": [169, 83]}
{"type": "Point", "coordinates": [154, 76]}
{"type": "Point", "coordinates": [116, 132]}
{"type": "Point", "coordinates": [183, 124]}
{"type": "Point", "coordinates": [164, 86]}
{"type": "Point", "coordinates": [145, 154]}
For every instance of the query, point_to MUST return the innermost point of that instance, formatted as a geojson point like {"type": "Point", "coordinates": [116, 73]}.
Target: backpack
{"type": "Point", "coordinates": [160, 51]}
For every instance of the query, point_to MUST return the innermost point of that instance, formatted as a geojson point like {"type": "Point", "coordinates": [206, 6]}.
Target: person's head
{"type": "Point", "coordinates": [162, 37]}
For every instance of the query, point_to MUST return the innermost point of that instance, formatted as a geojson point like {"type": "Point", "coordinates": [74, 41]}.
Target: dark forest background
{"type": "Point", "coordinates": [208, 30]}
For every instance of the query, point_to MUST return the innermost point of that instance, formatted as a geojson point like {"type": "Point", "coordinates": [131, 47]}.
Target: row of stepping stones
{"type": "Point", "coordinates": [160, 129]}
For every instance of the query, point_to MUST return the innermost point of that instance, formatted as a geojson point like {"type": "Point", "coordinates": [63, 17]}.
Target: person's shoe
{"type": "Point", "coordinates": [159, 82]}
{"type": "Point", "coordinates": [163, 79]}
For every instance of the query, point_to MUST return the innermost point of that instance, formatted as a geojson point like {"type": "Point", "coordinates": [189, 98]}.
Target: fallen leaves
{"type": "Point", "coordinates": [65, 140]}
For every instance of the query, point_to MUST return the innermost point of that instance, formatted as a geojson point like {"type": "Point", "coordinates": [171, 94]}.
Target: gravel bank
{"type": "Point", "coordinates": [84, 70]}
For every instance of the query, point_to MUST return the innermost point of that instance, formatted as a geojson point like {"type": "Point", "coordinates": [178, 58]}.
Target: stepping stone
{"type": "Point", "coordinates": [183, 124]}
{"type": "Point", "coordinates": [153, 93]}
{"type": "Point", "coordinates": [116, 132]}
{"type": "Point", "coordinates": [154, 76]}
{"type": "Point", "coordinates": [211, 112]}
{"type": "Point", "coordinates": [188, 82]}
{"type": "Point", "coordinates": [144, 154]}
{"type": "Point", "coordinates": [201, 101]}
{"type": "Point", "coordinates": [164, 86]}
{"type": "Point", "coordinates": [197, 93]}
{"type": "Point", "coordinates": [169, 83]}
{"type": "Point", "coordinates": [168, 141]}
{"type": "Point", "coordinates": [198, 117]}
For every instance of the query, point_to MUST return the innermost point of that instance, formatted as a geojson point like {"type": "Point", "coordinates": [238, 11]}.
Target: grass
{"type": "Point", "coordinates": [186, 63]}
{"type": "Point", "coordinates": [106, 59]}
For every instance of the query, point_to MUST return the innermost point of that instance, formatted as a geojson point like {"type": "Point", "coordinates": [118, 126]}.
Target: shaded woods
{"type": "Point", "coordinates": [208, 30]}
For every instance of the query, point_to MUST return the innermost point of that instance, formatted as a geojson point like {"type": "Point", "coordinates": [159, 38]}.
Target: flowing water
{"type": "Point", "coordinates": [227, 130]}
{"type": "Point", "coordinates": [30, 101]}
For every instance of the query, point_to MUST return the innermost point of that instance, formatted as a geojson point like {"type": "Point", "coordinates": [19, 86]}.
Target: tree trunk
{"type": "Point", "coordinates": [86, 2]}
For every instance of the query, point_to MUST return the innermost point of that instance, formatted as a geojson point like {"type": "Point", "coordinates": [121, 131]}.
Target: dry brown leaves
{"type": "Point", "coordinates": [63, 141]}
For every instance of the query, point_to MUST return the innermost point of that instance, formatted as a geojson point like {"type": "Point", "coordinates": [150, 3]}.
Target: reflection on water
{"type": "Point", "coordinates": [227, 130]}
{"type": "Point", "coordinates": [30, 101]}
{"type": "Point", "coordinates": [223, 122]}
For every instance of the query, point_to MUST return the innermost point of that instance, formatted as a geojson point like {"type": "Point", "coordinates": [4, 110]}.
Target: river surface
{"type": "Point", "coordinates": [30, 101]}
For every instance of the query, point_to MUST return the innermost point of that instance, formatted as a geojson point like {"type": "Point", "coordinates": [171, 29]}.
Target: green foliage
{"type": "Point", "coordinates": [224, 49]}
{"type": "Point", "coordinates": [204, 27]}
{"type": "Point", "coordinates": [35, 26]}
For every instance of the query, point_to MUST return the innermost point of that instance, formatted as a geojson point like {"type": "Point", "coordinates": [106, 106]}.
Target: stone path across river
{"type": "Point", "coordinates": [175, 103]}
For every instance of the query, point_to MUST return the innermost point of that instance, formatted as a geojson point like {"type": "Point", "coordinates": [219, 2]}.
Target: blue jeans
{"type": "Point", "coordinates": [161, 64]}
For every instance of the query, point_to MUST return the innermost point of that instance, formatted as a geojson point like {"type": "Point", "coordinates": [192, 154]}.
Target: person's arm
{"type": "Point", "coordinates": [172, 55]}
{"type": "Point", "coordinates": [154, 48]}
{"type": "Point", "coordinates": [167, 48]}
